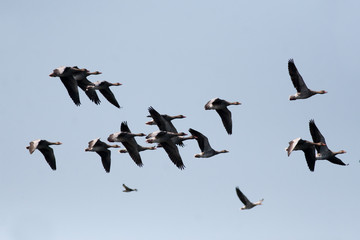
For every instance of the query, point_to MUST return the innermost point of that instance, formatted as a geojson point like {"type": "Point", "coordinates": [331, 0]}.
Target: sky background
{"type": "Point", "coordinates": [175, 56]}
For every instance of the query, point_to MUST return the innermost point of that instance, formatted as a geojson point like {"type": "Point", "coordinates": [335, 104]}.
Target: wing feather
{"type": "Point", "coordinates": [296, 78]}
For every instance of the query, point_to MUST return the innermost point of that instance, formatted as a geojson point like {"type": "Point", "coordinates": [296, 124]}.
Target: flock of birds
{"type": "Point", "coordinates": [167, 137]}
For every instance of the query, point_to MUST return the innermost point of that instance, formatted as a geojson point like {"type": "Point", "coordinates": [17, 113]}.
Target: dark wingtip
{"type": "Point", "coordinates": [181, 167]}
{"type": "Point", "coordinates": [150, 109]}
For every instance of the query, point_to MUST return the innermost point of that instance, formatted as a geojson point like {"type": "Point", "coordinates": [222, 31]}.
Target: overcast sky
{"type": "Point", "coordinates": [175, 56]}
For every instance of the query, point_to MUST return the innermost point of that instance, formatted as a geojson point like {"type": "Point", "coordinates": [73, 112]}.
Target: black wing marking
{"type": "Point", "coordinates": [132, 149]}
{"type": "Point", "coordinates": [225, 115]}
{"type": "Point", "coordinates": [90, 92]}
{"type": "Point", "coordinates": [107, 93]}
{"type": "Point", "coordinates": [48, 153]}
{"type": "Point", "coordinates": [317, 137]}
{"type": "Point", "coordinates": [127, 188]}
{"type": "Point", "coordinates": [202, 140]}
{"type": "Point", "coordinates": [105, 159]}
{"type": "Point", "coordinates": [71, 87]}
{"type": "Point", "coordinates": [310, 157]}
{"type": "Point", "coordinates": [173, 153]}
{"type": "Point", "coordinates": [242, 197]}
{"type": "Point", "coordinates": [124, 127]}
{"type": "Point", "coordinates": [296, 78]}
{"type": "Point", "coordinates": [158, 119]}
{"type": "Point", "coordinates": [336, 160]}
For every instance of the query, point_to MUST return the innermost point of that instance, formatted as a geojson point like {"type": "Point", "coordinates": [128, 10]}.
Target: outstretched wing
{"type": "Point", "coordinates": [225, 115]}
{"type": "Point", "coordinates": [90, 92]}
{"type": "Point", "coordinates": [124, 127]}
{"type": "Point", "coordinates": [202, 140]}
{"type": "Point", "coordinates": [310, 157]}
{"type": "Point", "coordinates": [48, 153]}
{"type": "Point", "coordinates": [132, 148]}
{"type": "Point", "coordinates": [158, 119]}
{"type": "Point", "coordinates": [242, 197]}
{"type": "Point", "coordinates": [105, 159]}
{"type": "Point", "coordinates": [127, 188]}
{"type": "Point", "coordinates": [336, 160]}
{"type": "Point", "coordinates": [296, 78]}
{"type": "Point", "coordinates": [173, 153]}
{"type": "Point", "coordinates": [71, 87]}
{"type": "Point", "coordinates": [107, 93]}
{"type": "Point", "coordinates": [317, 137]}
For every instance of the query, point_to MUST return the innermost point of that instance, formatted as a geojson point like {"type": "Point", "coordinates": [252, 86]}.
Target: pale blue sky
{"type": "Point", "coordinates": [175, 56]}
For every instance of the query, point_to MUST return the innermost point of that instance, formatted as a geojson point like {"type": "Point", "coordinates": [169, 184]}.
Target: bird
{"type": "Point", "coordinates": [127, 189]}
{"type": "Point", "coordinates": [44, 147]}
{"type": "Point", "coordinates": [66, 75]}
{"type": "Point", "coordinates": [164, 123]}
{"type": "Point", "coordinates": [203, 142]}
{"type": "Point", "coordinates": [324, 153]}
{"type": "Point", "coordinates": [101, 148]}
{"type": "Point", "coordinates": [128, 140]}
{"type": "Point", "coordinates": [104, 88]}
{"type": "Point", "coordinates": [245, 201]}
{"type": "Point", "coordinates": [220, 106]}
{"type": "Point", "coordinates": [164, 138]}
{"type": "Point", "coordinates": [303, 91]}
{"type": "Point", "coordinates": [307, 147]}
{"type": "Point", "coordinates": [83, 82]}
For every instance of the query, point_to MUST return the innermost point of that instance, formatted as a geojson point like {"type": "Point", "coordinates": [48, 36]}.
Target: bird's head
{"type": "Point", "coordinates": [111, 138]}
{"type": "Point", "coordinates": [150, 123]}
{"type": "Point", "coordinates": [341, 152]}
{"type": "Point", "coordinates": [180, 116]}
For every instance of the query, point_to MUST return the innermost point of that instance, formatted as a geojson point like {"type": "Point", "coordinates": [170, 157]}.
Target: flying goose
{"type": "Point", "coordinates": [128, 140]}
{"type": "Point", "coordinates": [101, 148]}
{"type": "Point", "coordinates": [245, 201]}
{"type": "Point", "coordinates": [203, 142]}
{"type": "Point", "coordinates": [324, 153]}
{"type": "Point", "coordinates": [44, 147]}
{"type": "Point", "coordinates": [220, 106]}
{"type": "Point", "coordinates": [127, 189]}
{"type": "Point", "coordinates": [66, 75]}
{"type": "Point", "coordinates": [164, 138]}
{"type": "Point", "coordinates": [302, 91]}
{"type": "Point", "coordinates": [307, 147]}
{"type": "Point", "coordinates": [104, 88]}
{"type": "Point", "coordinates": [83, 82]}
{"type": "Point", "coordinates": [164, 123]}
